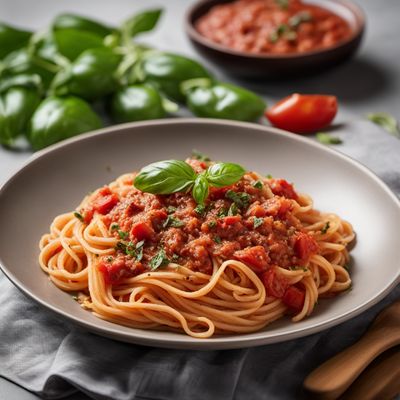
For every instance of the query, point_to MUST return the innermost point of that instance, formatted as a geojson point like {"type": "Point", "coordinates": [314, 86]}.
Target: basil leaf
{"type": "Point", "coordinates": [200, 189]}
{"type": "Point", "coordinates": [143, 22]}
{"type": "Point", "coordinates": [159, 260]}
{"type": "Point", "coordinates": [165, 177]}
{"type": "Point", "coordinates": [324, 138]}
{"type": "Point", "coordinates": [200, 156]}
{"type": "Point", "coordinates": [386, 121]}
{"type": "Point", "coordinates": [224, 174]}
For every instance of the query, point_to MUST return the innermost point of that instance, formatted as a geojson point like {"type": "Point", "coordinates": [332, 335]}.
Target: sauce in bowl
{"type": "Point", "coordinates": [273, 26]}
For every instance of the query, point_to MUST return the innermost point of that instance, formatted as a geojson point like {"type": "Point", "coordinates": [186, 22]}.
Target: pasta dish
{"type": "Point", "coordinates": [198, 247]}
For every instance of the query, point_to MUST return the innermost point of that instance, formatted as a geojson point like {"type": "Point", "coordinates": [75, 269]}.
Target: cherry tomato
{"type": "Point", "coordinates": [303, 113]}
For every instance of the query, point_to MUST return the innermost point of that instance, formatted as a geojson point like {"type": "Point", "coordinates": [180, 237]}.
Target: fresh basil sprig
{"type": "Point", "coordinates": [171, 176]}
{"type": "Point", "coordinates": [386, 121]}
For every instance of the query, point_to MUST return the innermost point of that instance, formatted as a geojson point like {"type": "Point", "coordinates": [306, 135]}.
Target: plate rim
{"type": "Point", "coordinates": [186, 342]}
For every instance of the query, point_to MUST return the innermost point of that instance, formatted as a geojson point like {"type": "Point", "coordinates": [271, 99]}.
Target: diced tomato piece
{"type": "Point", "coordinates": [143, 231]}
{"type": "Point", "coordinates": [88, 214]}
{"type": "Point", "coordinates": [275, 284]}
{"type": "Point", "coordinates": [105, 204]}
{"type": "Point", "coordinates": [216, 193]}
{"type": "Point", "coordinates": [305, 246]}
{"type": "Point", "coordinates": [285, 206]}
{"type": "Point", "coordinates": [112, 272]}
{"type": "Point", "coordinates": [294, 298]}
{"type": "Point", "coordinates": [281, 187]}
{"type": "Point", "coordinates": [231, 219]}
{"type": "Point", "coordinates": [256, 210]}
{"type": "Point", "coordinates": [255, 257]}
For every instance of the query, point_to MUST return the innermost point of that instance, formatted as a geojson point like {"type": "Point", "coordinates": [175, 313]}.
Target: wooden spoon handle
{"type": "Point", "coordinates": [381, 380]}
{"type": "Point", "coordinates": [333, 377]}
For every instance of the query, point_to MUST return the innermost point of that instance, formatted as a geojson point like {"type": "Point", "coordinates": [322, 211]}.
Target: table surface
{"type": "Point", "coordinates": [368, 83]}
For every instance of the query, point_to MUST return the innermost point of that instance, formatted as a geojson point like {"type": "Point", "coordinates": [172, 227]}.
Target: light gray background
{"type": "Point", "coordinates": [369, 83]}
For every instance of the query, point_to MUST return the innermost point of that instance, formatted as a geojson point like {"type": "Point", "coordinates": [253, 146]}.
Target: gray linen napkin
{"type": "Point", "coordinates": [53, 358]}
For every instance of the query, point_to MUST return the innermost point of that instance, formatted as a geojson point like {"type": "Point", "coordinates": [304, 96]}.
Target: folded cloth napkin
{"type": "Point", "coordinates": [53, 358]}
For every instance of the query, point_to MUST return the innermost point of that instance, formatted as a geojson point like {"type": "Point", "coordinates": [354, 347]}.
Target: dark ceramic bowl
{"type": "Point", "coordinates": [278, 65]}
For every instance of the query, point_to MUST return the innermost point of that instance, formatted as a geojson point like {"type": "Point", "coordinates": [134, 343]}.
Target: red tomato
{"type": "Point", "coordinates": [294, 298]}
{"type": "Point", "coordinates": [142, 231]}
{"type": "Point", "coordinates": [303, 113]}
{"type": "Point", "coordinates": [275, 285]}
{"type": "Point", "coordinates": [281, 187]}
{"type": "Point", "coordinates": [255, 257]}
{"type": "Point", "coordinates": [231, 220]}
{"type": "Point", "coordinates": [305, 246]}
{"type": "Point", "coordinates": [105, 204]}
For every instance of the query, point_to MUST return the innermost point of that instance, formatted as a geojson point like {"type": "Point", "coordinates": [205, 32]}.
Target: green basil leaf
{"type": "Point", "coordinates": [386, 121]}
{"type": "Point", "coordinates": [159, 260]}
{"type": "Point", "coordinates": [165, 177]}
{"type": "Point", "coordinates": [143, 22]}
{"type": "Point", "coordinates": [224, 174]}
{"type": "Point", "coordinates": [200, 189]}
{"type": "Point", "coordinates": [324, 138]}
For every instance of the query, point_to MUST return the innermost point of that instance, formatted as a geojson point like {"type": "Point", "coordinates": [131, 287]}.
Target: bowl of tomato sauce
{"type": "Point", "coordinates": [275, 38]}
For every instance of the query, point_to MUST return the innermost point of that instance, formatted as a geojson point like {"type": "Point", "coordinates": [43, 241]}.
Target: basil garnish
{"type": "Point", "coordinates": [170, 176]}
{"type": "Point", "coordinates": [224, 174]}
{"type": "Point", "coordinates": [386, 121]}
{"type": "Point", "coordinates": [159, 260]}
{"type": "Point", "coordinates": [165, 177]}
{"type": "Point", "coordinates": [200, 189]}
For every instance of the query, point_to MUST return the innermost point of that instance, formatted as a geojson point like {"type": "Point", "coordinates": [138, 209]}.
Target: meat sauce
{"type": "Point", "coordinates": [273, 26]}
{"type": "Point", "coordinates": [237, 222]}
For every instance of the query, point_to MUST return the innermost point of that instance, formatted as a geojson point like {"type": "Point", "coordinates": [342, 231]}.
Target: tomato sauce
{"type": "Point", "coordinates": [238, 222]}
{"type": "Point", "coordinates": [273, 26]}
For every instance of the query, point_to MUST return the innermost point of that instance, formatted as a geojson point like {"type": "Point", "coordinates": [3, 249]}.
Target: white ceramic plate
{"type": "Point", "coordinates": [55, 181]}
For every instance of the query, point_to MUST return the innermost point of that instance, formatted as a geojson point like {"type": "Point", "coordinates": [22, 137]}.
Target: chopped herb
{"type": "Point", "coordinates": [233, 210]}
{"type": "Point", "coordinates": [123, 235]}
{"type": "Point", "coordinates": [159, 260]}
{"type": "Point", "coordinates": [217, 240]}
{"type": "Point", "coordinates": [346, 267]}
{"type": "Point", "coordinates": [258, 184]}
{"type": "Point", "coordinates": [284, 4]}
{"type": "Point", "coordinates": [114, 226]}
{"type": "Point", "coordinates": [299, 18]}
{"type": "Point", "coordinates": [75, 298]}
{"type": "Point", "coordinates": [324, 138]}
{"type": "Point", "coordinates": [175, 257]}
{"type": "Point", "coordinates": [223, 212]}
{"type": "Point", "coordinates": [290, 36]}
{"type": "Point", "coordinates": [241, 199]}
{"type": "Point", "coordinates": [212, 224]}
{"type": "Point", "coordinates": [110, 259]}
{"type": "Point", "coordinates": [171, 209]}
{"type": "Point", "coordinates": [200, 156]}
{"type": "Point", "coordinates": [386, 121]}
{"type": "Point", "coordinates": [325, 228]}
{"type": "Point", "coordinates": [273, 37]}
{"type": "Point", "coordinates": [139, 250]}
{"type": "Point", "coordinates": [174, 222]}
{"type": "Point", "coordinates": [200, 209]}
{"type": "Point", "coordinates": [130, 250]}
{"type": "Point", "coordinates": [268, 176]}
{"type": "Point", "coordinates": [297, 268]}
{"type": "Point", "coordinates": [78, 215]}
{"type": "Point", "coordinates": [258, 222]}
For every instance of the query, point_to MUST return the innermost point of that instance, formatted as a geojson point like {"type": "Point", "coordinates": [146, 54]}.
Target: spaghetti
{"type": "Point", "coordinates": [157, 262]}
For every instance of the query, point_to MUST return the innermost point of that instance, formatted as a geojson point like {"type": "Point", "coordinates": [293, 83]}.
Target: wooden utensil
{"type": "Point", "coordinates": [380, 381]}
{"type": "Point", "coordinates": [332, 378]}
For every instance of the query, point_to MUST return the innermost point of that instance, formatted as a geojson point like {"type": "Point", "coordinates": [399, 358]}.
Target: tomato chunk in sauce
{"type": "Point", "coordinates": [260, 229]}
